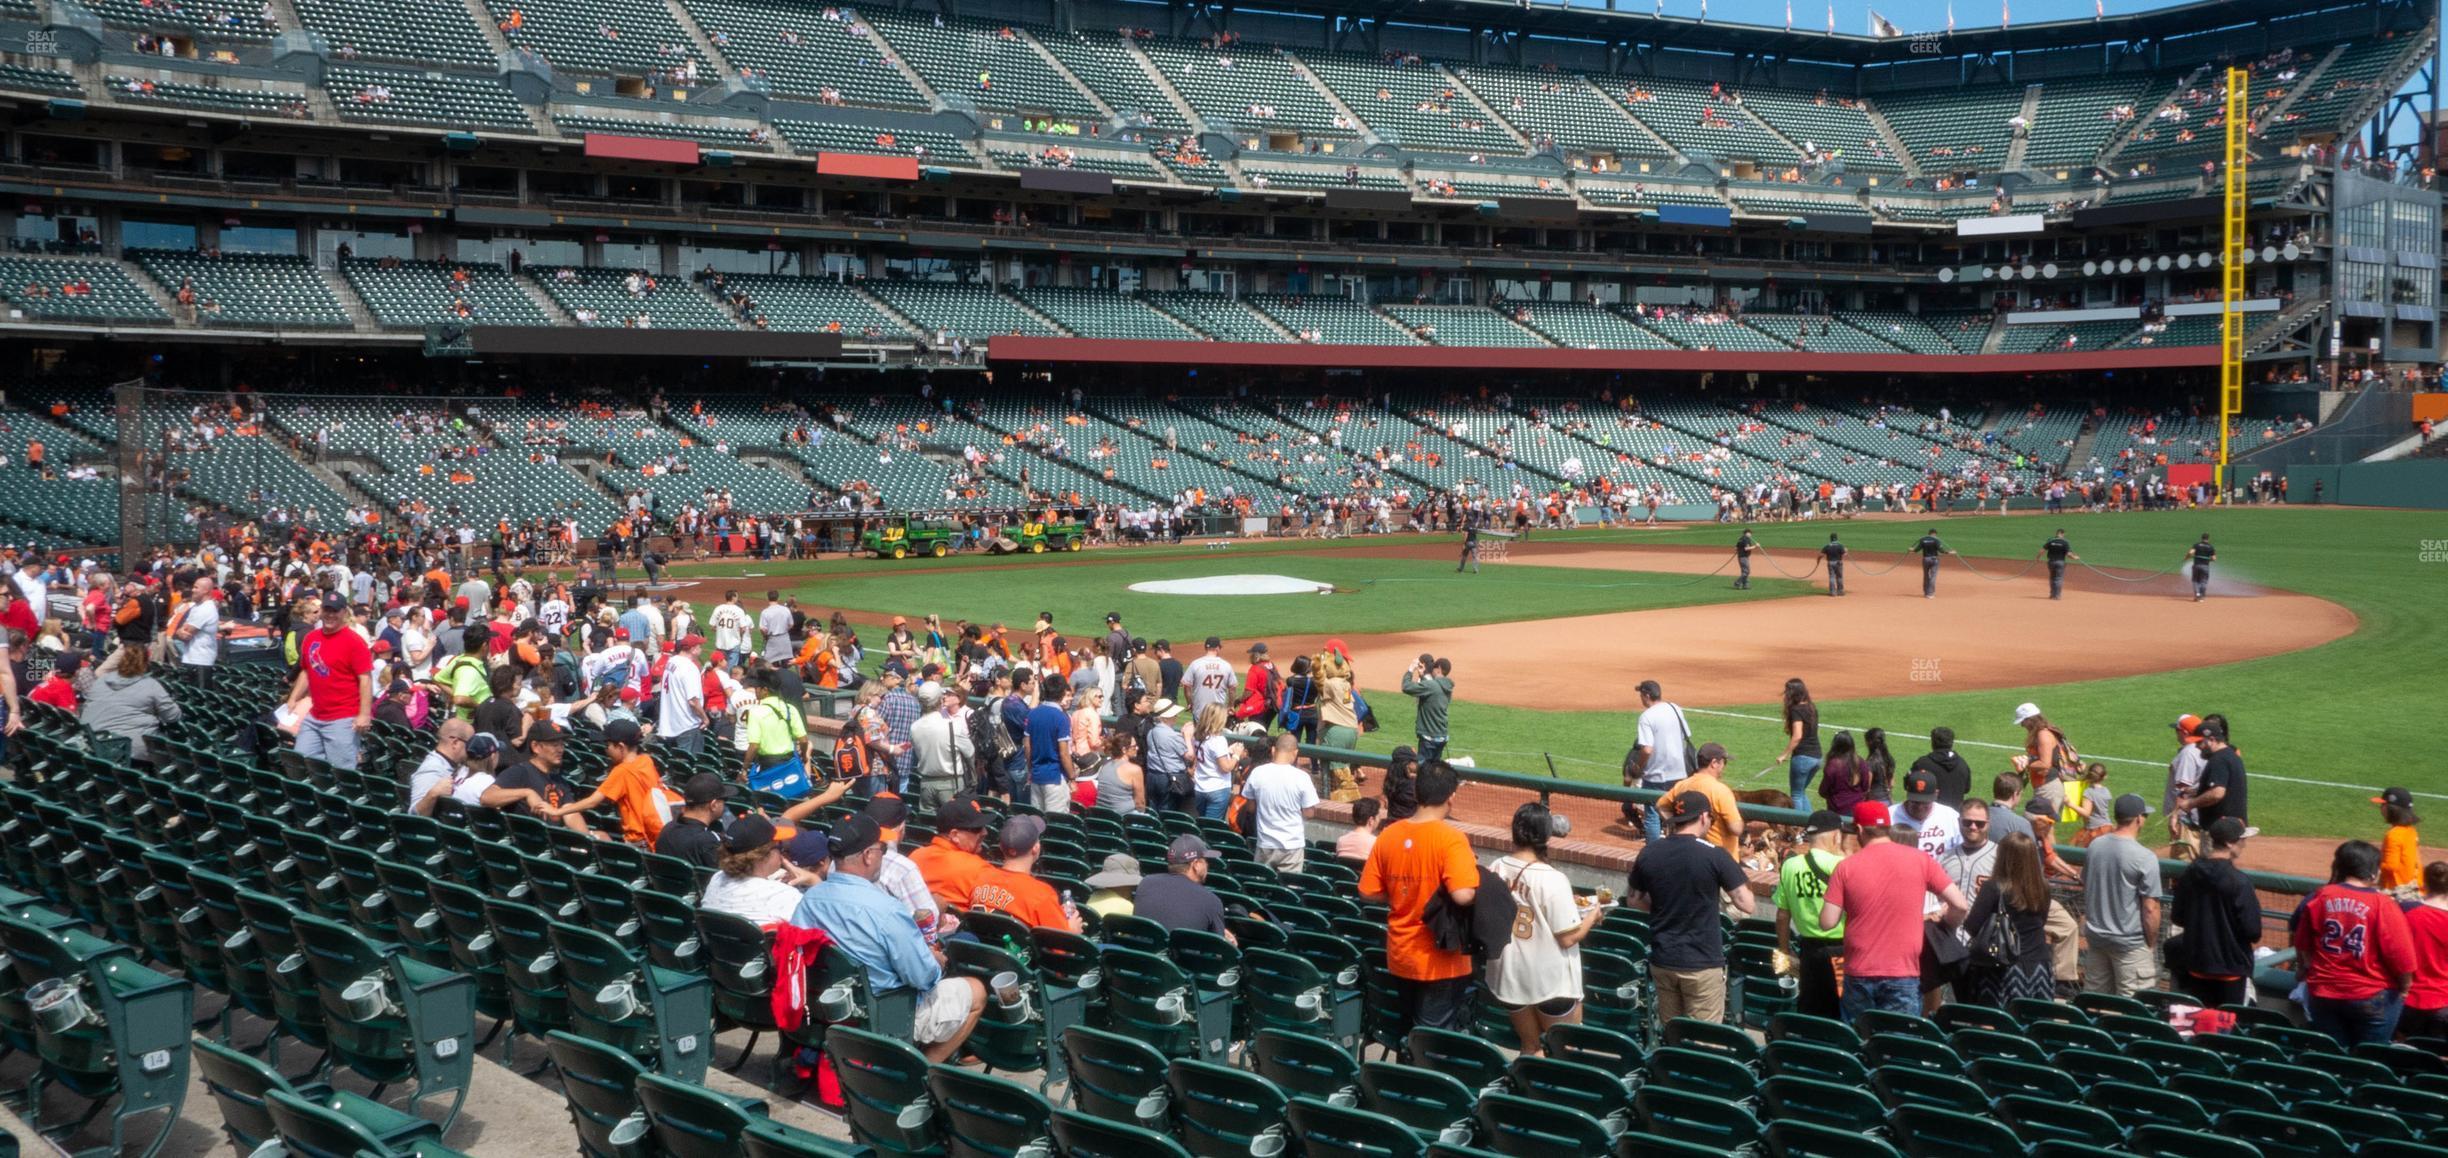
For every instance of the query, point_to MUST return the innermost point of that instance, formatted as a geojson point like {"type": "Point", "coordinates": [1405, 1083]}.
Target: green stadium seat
{"type": "Point", "coordinates": [1222, 1112]}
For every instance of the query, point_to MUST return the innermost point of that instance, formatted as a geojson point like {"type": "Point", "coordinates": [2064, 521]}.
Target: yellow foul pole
{"type": "Point", "coordinates": [2231, 288]}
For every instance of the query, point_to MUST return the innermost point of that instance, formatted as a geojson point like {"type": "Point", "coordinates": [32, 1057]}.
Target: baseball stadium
{"type": "Point", "coordinates": [1112, 579]}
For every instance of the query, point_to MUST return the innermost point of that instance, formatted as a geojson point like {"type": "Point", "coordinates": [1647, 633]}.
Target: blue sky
{"type": "Point", "coordinates": [1852, 16]}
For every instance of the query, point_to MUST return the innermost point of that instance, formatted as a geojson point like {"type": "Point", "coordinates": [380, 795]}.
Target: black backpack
{"type": "Point", "coordinates": [1483, 928]}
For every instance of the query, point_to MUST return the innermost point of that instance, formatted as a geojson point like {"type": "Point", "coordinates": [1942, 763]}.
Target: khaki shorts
{"type": "Point", "coordinates": [1283, 860]}
{"type": "Point", "coordinates": [944, 1010]}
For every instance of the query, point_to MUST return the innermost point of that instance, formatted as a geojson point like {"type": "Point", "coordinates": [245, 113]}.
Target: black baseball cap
{"type": "Point", "coordinates": [958, 814]}
{"type": "Point", "coordinates": [1920, 788]}
{"type": "Point", "coordinates": [1711, 753]}
{"type": "Point", "coordinates": [747, 834]}
{"type": "Point", "coordinates": [2228, 832]}
{"type": "Point", "coordinates": [1189, 847]}
{"type": "Point", "coordinates": [853, 836]}
{"type": "Point", "coordinates": [1686, 807]}
{"type": "Point", "coordinates": [2397, 796]}
{"type": "Point", "coordinates": [1113, 617]}
{"type": "Point", "coordinates": [1215, 641]}
{"type": "Point", "coordinates": [545, 732]}
{"type": "Point", "coordinates": [2131, 805]}
{"type": "Point", "coordinates": [1822, 821]}
{"type": "Point", "coordinates": [888, 810]}
{"type": "Point", "coordinates": [624, 732]}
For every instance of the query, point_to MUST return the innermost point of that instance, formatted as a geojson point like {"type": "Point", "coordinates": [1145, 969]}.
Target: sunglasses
{"type": "Point", "coordinates": [1975, 824]}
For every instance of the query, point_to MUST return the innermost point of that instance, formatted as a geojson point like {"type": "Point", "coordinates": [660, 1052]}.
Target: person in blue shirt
{"type": "Point", "coordinates": [1049, 746]}
{"type": "Point", "coordinates": [639, 625]}
{"type": "Point", "coordinates": [876, 930]}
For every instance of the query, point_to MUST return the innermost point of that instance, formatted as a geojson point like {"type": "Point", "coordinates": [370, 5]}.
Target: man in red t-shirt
{"type": "Point", "coordinates": [336, 683]}
{"type": "Point", "coordinates": [2354, 950]}
{"type": "Point", "coordinates": [1879, 895]}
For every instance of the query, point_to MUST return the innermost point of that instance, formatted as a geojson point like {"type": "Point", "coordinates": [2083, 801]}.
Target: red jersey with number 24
{"type": "Point", "coordinates": [2353, 942]}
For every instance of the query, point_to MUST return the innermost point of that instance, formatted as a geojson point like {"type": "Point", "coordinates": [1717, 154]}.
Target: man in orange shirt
{"type": "Point", "coordinates": [949, 863]}
{"type": "Point", "coordinates": [633, 784]}
{"type": "Point", "coordinates": [1725, 812]}
{"type": "Point", "coordinates": [1413, 861]}
{"type": "Point", "coordinates": [1010, 889]}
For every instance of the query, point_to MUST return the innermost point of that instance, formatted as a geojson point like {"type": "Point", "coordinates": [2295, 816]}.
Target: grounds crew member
{"type": "Point", "coordinates": [1930, 548]}
{"type": "Point", "coordinates": [2202, 555]}
{"type": "Point", "coordinates": [2058, 551]}
{"type": "Point", "coordinates": [1835, 553]}
{"type": "Point", "coordinates": [1742, 557]}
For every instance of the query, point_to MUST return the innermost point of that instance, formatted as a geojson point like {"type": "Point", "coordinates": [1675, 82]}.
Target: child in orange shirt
{"type": "Point", "coordinates": [633, 784]}
{"type": "Point", "coordinates": [2401, 850]}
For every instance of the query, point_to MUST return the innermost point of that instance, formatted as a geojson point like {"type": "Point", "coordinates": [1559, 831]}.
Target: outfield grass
{"type": "Point", "coordinates": [2321, 729]}
{"type": "Point", "coordinates": [1380, 595]}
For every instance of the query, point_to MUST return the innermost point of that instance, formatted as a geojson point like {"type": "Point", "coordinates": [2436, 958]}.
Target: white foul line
{"type": "Point", "coordinates": [2087, 756]}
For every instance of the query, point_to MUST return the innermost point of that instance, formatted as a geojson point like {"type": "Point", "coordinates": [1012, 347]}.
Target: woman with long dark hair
{"type": "Point", "coordinates": [1882, 765]}
{"type": "Point", "coordinates": [2016, 892]}
{"type": "Point", "coordinates": [1801, 739]}
{"type": "Point", "coordinates": [1845, 778]}
{"type": "Point", "coordinates": [1537, 978]}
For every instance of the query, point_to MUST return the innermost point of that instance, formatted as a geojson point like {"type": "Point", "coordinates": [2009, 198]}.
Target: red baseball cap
{"type": "Point", "coordinates": [1871, 814]}
{"type": "Point", "coordinates": [460, 602]}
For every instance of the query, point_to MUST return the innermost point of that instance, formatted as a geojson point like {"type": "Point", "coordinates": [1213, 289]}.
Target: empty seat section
{"type": "Point", "coordinates": [1561, 107]}
{"type": "Point", "coordinates": [2045, 437]}
{"type": "Point", "coordinates": [2078, 117]}
{"type": "Point", "coordinates": [1220, 317]}
{"type": "Point", "coordinates": [963, 309]}
{"type": "Point", "coordinates": [83, 289]}
{"type": "Point", "coordinates": [247, 289]}
{"type": "Point", "coordinates": [1775, 205]}
{"type": "Point", "coordinates": [1580, 326]}
{"type": "Point", "coordinates": [2192, 330]}
{"type": "Point", "coordinates": [1463, 326]}
{"type": "Point", "coordinates": [1818, 334]}
{"type": "Point", "coordinates": [905, 433]}
{"type": "Point", "coordinates": [620, 37]}
{"type": "Point", "coordinates": [1709, 331]}
{"type": "Point", "coordinates": [1312, 177]}
{"type": "Point", "coordinates": [595, 296]}
{"type": "Point", "coordinates": [252, 475]}
{"type": "Point", "coordinates": [817, 304]}
{"type": "Point", "coordinates": [1481, 188]}
{"type": "Point", "coordinates": [1106, 65]}
{"type": "Point", "coordinates": [1955, 129]}
{"type": "Point", "coordinates": [1087, 441]}
{"type": "Point", "coordinates": [1918, 334]}
{"type": "Point", "coordinates": [1695, 120]}
{"type": "Point", "coordinates": [1330, 321]}
{"type": "Point", "coordinates": [418, 33]}
{"type": "Point", "coordinates": [1122, 166]}
{"type": "Point", "coordinates": [504, 484]}
{"type": "Point", "coordinates": [2341, 87]}
{"type": "Point", "coordinates": [1836, 127]}
{"type": "Point", "coordinates": [1093, 313]}
{"type": "Point", "coordinates": [407, 295]}
{"type": "Point", "coordinates": [398, 438]}
{"type": "Point", "coordinates": [19, 78]}
{"type": "Point", "coordinates": [726, 134]}
{"type": "Point", "coordinates": [1643, 193]}
{"type": "Point", "coordinates": [696, 475]}
{"type": "Point", "coordinates": [211, 20]}
{"type": "Point", "coordinates": [796, 51]}
{"type": "Point", "coordinates": [442, 100]}
{"type": "Point", "coordinates": [1247, 87]}
{"type": "Point", "coordinates": [928, 146]}
{"type": "Point", "coordinates": [244, 100]}
{"type": "Point", "coordinates": [983, 63]}
{"type": "Point", "coordinates": [1415, 106]}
